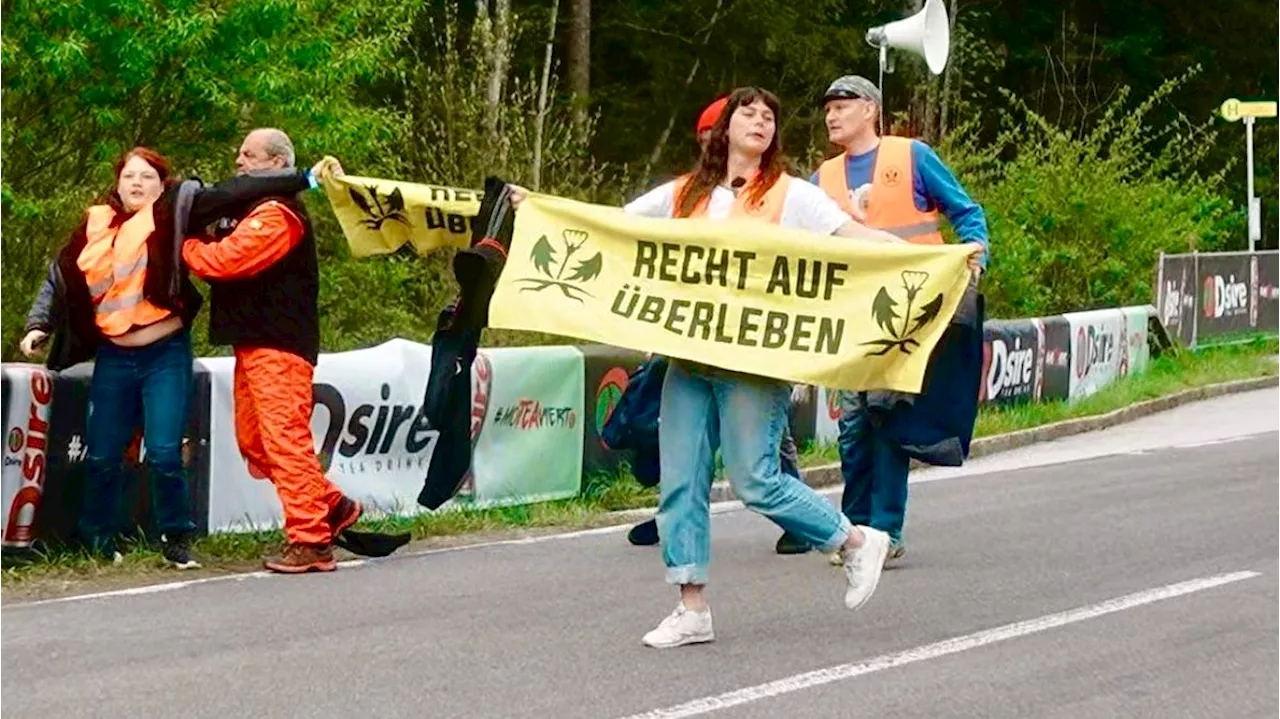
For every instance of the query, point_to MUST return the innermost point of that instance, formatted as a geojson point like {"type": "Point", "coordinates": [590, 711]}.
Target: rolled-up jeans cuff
{"type": "Point", "coordinates": [688, 574]}
{"type": "Point", "coordinates": [837, 541]}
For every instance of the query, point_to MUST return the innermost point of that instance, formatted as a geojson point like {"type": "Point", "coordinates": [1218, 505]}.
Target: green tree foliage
{"type": "Point", "coordinates": [84, 82]}
{"type": "Point", "coordinates": [438, 110]}
{"type": "Point", "coordinates": [1078, 217]}
{"type": "Point", "coordinates": [1058, 117]}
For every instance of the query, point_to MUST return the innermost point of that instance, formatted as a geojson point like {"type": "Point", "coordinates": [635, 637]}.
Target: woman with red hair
{"type": "Point", "coordinates": [118, 293]}
{"type": "Point", "coordinates": [742, 175]}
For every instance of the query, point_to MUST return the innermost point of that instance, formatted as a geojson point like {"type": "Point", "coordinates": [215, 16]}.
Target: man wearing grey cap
{"type": "Point", "coordinates": [872, 170]}
{"type": "Point", "coordinates": [900, 184]}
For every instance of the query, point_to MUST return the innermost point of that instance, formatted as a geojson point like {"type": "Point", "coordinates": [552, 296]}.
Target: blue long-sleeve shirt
{"type": "Point", "coordinates": [934, 187]}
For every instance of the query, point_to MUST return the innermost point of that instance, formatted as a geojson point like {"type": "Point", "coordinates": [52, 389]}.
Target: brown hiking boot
{"type": "Point", "coordinates": [299, 558]}
{"type": "Point", "coordinates": [344, 515]}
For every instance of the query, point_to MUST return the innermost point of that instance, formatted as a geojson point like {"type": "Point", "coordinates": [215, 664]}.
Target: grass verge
{"type": "Point", "coordinates": [1166, 375]}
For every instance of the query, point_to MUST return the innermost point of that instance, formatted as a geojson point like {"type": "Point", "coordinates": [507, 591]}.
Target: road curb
{"type": "Point", "coordinates": [827, 475]}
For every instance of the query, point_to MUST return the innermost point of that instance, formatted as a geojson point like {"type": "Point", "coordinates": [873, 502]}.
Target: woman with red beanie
{"type": "Point", "coordinates": [118, 293]}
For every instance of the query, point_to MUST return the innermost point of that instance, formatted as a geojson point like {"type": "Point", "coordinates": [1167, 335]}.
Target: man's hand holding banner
{"type": "Point", "coordinates": [380, 216]}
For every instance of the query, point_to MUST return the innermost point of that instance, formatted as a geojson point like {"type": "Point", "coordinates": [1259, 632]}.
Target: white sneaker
{"type": "Point", "coordinates": [862, 567]}
{"type": "Point", "coordinates": [682, 627]}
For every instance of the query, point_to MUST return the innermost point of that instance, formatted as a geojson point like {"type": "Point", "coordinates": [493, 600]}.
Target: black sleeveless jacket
{"type": "Point", "coordinates": [278, 307]}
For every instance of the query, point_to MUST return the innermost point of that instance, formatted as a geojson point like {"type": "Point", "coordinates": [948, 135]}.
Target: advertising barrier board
{"type": "Point", "coordinates": [1213, 297]}
{"type": "Point", "coordinates": [28, 409]}
{"type": "Point", "coordinates": [69, 452]}
{"type": "Point", "coordinates": [606, 371]}
{"type": "Point", "coordinates": [535, 420]}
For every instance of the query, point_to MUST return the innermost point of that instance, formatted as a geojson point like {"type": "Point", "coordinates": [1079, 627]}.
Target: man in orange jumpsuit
{"type": "Point", "coordinates": [264, 279]}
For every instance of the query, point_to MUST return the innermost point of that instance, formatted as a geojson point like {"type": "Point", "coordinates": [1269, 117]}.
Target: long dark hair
{"type": "Point", "coordinates": [713, 165]}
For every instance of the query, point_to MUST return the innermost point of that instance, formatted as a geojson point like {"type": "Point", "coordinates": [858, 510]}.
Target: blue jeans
{"type": "Point", "coordinates": [158, 379]}
{"type": "Point", "coordinates": [647, 468]}
{"type": "Point", "coordinates": [745, 416]}
{"type": "Point", "coordinates": [874, 468]}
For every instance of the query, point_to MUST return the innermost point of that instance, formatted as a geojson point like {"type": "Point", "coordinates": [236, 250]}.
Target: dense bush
{"type": "Point", "coordinates": [1079, 218]}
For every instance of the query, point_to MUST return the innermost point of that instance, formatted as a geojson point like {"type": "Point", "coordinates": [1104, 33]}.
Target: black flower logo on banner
{"type": "Point", "coordinates": [900, 335]}
{"type": "Point", "coordinates": [376, 214]}
{"type": "Point", "coordinates": [544, 261]}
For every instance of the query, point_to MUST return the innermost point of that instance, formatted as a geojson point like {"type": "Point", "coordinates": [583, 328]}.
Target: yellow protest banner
{"type": "Point", "coordinates": [379, 216]}
{"type": "Point", "coordinates": [740, 295]}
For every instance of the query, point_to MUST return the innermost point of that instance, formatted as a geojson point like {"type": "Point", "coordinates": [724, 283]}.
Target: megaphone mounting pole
{"type": "Point", "coordinates": [877, 39]}
{"type": "Point", "coordinates": [885, 66]}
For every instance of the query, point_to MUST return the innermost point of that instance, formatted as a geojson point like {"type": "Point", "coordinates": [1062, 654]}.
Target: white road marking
{"type": "Point", "coordinates": [954, 645]}
{"type": "Point", "coordinates": [716, 508]}
{"type": "Point", "coordinates": [147, 589]}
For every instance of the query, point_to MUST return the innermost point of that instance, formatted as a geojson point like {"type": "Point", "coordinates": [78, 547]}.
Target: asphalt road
{"type": "Point", "coordinates": [1014, 557]}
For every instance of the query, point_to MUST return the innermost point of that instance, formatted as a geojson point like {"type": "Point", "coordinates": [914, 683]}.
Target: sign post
{"type": "Point", "coordinates": [1231, 111]}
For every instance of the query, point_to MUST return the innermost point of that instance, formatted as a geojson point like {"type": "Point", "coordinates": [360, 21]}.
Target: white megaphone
{"type": "Point", "coordinates": [927, 33]}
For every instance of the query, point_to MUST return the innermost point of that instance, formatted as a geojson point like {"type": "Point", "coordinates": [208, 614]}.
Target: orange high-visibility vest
{"type": "Point", "coordinates": [769, 208]}
{"type": "Point", "coordinates": [114, 263]}
{"type": "Point", "coordinates": [891, 206]}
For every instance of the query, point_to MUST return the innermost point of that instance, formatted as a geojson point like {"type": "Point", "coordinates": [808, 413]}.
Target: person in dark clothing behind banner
{"type": "Point", "coordinates": [633, 425]}
{"type": "Point", "coordinates": [881, 432]}
{"type": "Point", "coordinates": [264, 279]}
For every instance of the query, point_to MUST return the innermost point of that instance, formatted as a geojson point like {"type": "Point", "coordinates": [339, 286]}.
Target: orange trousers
{"type": "Point", "coordinates": [273, 429]}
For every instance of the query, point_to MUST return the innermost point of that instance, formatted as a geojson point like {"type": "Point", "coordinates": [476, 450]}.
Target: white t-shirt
{"type": "Point", "coordinates": [805, 206]}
